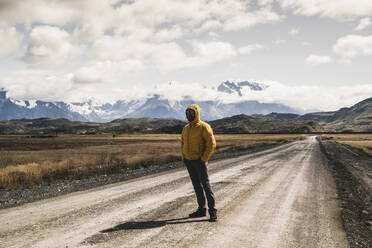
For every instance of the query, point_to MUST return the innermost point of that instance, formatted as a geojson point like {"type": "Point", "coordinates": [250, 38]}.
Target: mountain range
{"type": "Point", "coordinates": [152, 106]}
{"type": "Point", "coordinates": [357, 118]}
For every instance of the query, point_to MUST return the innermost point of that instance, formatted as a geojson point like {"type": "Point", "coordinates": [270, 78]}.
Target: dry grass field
{"type": "Point", "coordinates": [26, 161]}
{"type": "Point", "coordinates": [360, 141]}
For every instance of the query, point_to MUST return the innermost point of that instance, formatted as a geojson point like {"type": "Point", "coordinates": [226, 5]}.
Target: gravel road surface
{"type": "Point", "coordinates": [281, 197]}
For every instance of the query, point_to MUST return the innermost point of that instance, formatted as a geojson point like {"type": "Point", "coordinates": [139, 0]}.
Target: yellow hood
{"type": "Point", "coordinates": [196, 108]}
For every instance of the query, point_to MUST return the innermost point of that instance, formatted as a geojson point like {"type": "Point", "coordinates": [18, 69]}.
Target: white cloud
{"type": "Point", "coordinates": [279, 42]}
{"type": "Point", "coordinates": [294, 31]}
{"type": "Point", "coordinates": [264, 2]}
{"type": "Point", "coordinates": [213, 35]}
{"type": "Point", "coordinates": [106, 71]}
{"type": "Point", "coordinates": [209, 25]}
{"type": "Point", "coordinates": [45, 85]}
{"type": "Point", "coordinates": [152, 14]}
{"type": "Point", "coordinates": [363, 24]}
{"type": "Point", "coordinates": [214, 50]}
{"type": "Point", "coordinates": [126, 14]}
{"type": "Point", "coordinates": [351, 46]}
{"type": "Point", "coordinates": [166, 35]}
{"type": "Point", "coordinates": [340, 9]}
{"type": "Point", "coordinates": [249, 48]}
{"type": "Point", "coordinates": [138, 24]}
{"type": "Point", "coordinates": [344, 61]}
{"type": "Point", "coordinates": [321, 98]}
{"type": "Point", "coordinates": [168, 57]}
{"type": "Point", "coordinates": [87, 75]}
{"type": "Point", "coordinates": [163, 56]}
{"type": "Point", "coordinates": [178, 90]}
{"type": "Point", "coordinates": [118, 48]}
{"type": "Point", "coordinates": [41, 11]}
{"type": "Point", "coordinates": [201, 16]}
{"type": "Point", "coordinates": [10, 41]}
{"type": "Point", "coordinates": [92, 17]}
{"type": "Point", "coordinates": [87, 32]}
{"type": "Point", "coordinates": [249, 19]}
{"type": "Point", "coordinates": [203, 54]}
{"type": "Point", "coordinates": [151, 54]}
{"type": "Point", "coordinates": [317, 59]}
{"type": "Point", "coordinates": [50, 44]}
{"type": "Point", "coordinates": [37, 85]}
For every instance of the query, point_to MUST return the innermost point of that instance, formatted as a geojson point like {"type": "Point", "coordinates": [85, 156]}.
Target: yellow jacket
{"type": "Point", "coordinates": [197, 141]}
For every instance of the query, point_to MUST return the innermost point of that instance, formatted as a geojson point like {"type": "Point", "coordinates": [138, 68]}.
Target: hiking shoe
{"type": "Point", "coordinates": [200, 212]}
{"type": "Point", "coordinates": [213, 215]}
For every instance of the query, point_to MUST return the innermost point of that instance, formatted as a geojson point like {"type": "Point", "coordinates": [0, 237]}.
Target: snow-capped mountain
{"type": "Point", "coordinates": [154, 105]}
{"type": "Point", "coordinates": [163, 108]}
{"type": "Point", "coordinates": [240, 87]}
{"type": "Point", "coordinates": [19, 109]}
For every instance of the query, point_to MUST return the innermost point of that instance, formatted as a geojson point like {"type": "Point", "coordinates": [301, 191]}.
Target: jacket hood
{"type": "Point", "coordinates": [196, 108]}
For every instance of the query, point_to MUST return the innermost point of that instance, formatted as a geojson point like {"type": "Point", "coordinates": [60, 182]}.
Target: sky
{"type": "Point", "coordinates": [313, 54]}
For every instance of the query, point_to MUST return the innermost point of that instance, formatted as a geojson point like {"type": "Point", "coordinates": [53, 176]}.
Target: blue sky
{"type": "Point", "coordinates": [314, 54]}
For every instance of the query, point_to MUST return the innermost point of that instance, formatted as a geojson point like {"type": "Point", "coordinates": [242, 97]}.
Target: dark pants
{"type": "Point", "coordinates": [199, 177]}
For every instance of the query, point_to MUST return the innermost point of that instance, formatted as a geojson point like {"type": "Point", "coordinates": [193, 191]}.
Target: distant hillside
{"type": "Point", "coordinates": [357, 118]}
{"type": "Point", "coordinates": [274, 115]}
{"type": "Point", "coordinates": [144, 125]}
{"type": "Point", "coordinates": [63, 126]}
{"type": "Point", "coordinates": [236, 124]}
{"type": "Point", "coordinates": [320, 117]}
{"type": "Point", "coordinates": [47, 126]}
{"type": "Point", "coordinates": [249, 124]}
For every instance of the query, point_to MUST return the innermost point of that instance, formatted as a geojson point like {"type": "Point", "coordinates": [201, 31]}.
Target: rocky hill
{"type": "Point", "coordinates": [357, 118]}
{"type": "Point", "coordinates": [249, 124]}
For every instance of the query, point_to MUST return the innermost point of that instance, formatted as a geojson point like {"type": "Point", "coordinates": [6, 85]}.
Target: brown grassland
{"type": "Point", "coordinates": [359, 141]}
{"type": "Point", "coordinates": [26, 161]}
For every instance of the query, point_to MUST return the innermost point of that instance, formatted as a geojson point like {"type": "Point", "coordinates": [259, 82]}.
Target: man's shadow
{"type": "Point", "coordinates": [131, 225]}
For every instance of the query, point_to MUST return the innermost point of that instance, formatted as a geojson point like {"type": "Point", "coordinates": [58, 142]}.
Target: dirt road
{"type": "Point", "coordinates": [282, 197]}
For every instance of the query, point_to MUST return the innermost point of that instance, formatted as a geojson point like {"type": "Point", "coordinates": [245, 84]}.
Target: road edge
{"type": "Point", "coordinates": [354, 199]}
{"type": "Point", "coordinates": [18, 197]}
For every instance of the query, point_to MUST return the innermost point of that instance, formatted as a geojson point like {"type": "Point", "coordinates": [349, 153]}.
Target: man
{"type": "Point", "coordinates": [197, 145]}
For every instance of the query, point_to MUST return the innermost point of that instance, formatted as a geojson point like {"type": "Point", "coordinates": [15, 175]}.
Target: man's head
{"type": "Point", "coordinates": [193, 113]}
{"type": "Point", "coordinates": [190, 114]}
